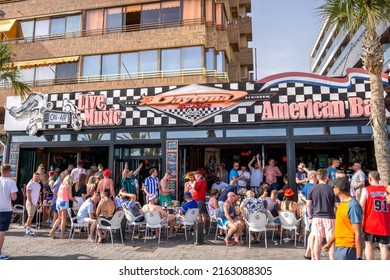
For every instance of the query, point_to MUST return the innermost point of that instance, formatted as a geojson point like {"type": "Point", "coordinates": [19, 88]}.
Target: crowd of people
{"type": "Point", "coordinates": [343, 211]}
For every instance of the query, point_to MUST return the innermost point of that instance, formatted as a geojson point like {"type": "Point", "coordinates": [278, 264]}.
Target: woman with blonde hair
{"type": "Point", "coordinates": [64, 196]}
{"type": "Point", "coordinates": [91, 186]}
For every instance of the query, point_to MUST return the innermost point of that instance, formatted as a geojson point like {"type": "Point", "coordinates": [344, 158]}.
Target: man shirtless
{"type": "Point", "coordinates": [153, 206]}
{"type": "Point", "coordinates": [164, 198]}
{"type": "Point", "coordinates": [106, 183]}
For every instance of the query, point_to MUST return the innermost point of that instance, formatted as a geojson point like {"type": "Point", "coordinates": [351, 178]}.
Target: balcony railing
{"type": "Point", "coordinates": [121, 29]}
{"type": "Point", "coordinates": [126, 76]}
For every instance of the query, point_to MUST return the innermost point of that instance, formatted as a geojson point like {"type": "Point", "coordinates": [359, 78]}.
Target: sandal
{"type": "Point", "coordinates": [228, 243]}
{"type": "Point", "coordinates": [239, 243]}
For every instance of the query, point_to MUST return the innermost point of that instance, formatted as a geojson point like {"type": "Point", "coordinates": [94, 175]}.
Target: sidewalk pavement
{"type": "Point", "coordinates": [42, 247]}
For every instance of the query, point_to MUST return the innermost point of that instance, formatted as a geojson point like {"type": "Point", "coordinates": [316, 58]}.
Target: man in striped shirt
{"type": "Point", "coordinates": [151, 184]}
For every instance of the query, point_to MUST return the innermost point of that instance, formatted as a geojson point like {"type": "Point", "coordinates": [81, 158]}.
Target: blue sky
{"type": "Point", "coordinates": [284, 32]}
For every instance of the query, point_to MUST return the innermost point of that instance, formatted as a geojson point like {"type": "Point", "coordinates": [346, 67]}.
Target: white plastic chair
{"type": "Point", "coordinates": [212, 218]}
{"type": "Point", "coordinates": [154, 221]}
{"type": "Point", "coordinates": [219, 225]}
{"type": "Point", "coordinates": [74, 224]}
{"type": "Point", "coordinates": [131, 221]}
{"type": "Point", "coordinates": [188, 219]}
{"type": "Point", "coordinates": [19, 209]}
{"type": "Point", "coordinates": [114, 224]}
{"type": "Point", "coordinates": [256, 222]}
{"type": "Point", "coordinates": [271, 222]}
{"type": "Point", "coordinates": [288, 221]}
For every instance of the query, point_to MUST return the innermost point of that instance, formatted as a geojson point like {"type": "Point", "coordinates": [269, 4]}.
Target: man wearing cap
{"type": "Point", "coordinates": [106, 183]}
{"type": "Point", "coordinates": [218, 185]}
{"type": "Point", "coordinates": [190, 203]}
{"type": "Point", "coordinates": [235, 226]}
{"type": "Point", "coordinates": [152, 205]}
{"type": "Point", "coordinates": [347, 235]}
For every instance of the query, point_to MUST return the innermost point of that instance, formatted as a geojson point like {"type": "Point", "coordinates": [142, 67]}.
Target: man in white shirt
{"type": "Point", "coordinates": [78, 170]}
{"type": "Point", "coordinates": [243, 181]}
{"type": "Point", "coordinates": [218, 185]}
{"type": "Point", "coordinates": [256, 174]}
{"type": "Point", "coordinates": [33, 197]}
{"type": "Point", "coordinates": [357, 181]}
{"type": "Point", "coordinates": [8, 191]}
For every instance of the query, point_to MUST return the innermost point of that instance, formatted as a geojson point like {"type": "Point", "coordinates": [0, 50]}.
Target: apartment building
{"type": "Point", "coordinates": [333, 52]}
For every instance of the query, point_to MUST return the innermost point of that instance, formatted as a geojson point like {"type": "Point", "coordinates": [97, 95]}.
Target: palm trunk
{"type": "Point", "coordinates": [379, 128]}
{"type": "Point", "coordinates": [372, 58]}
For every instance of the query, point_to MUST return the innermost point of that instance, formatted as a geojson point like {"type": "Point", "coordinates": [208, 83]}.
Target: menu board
{"type": "Point", "coordinates": [14, 159]}
{"type": "Point", "coordinates": [172, 165]}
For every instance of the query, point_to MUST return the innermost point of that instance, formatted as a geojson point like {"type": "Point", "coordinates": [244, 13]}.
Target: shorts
{"type": "Point", "coordinates": [31, 209]}
{"type": "Point", "coordinates": [104, 223]}
{"type": "Point", "coordinates": [165, 200]}
{"type": "Point", "coordinates": [376, 238]}
{"type": "Point", "coordinates": [344, 253]}
{"type": "Point", "coordinates": [62, 205]}
{"type": "Point", "coordinates": [5, 220]}
{"type": "Point", "coordinates": [224, 222]}
{"type": "Point", "coordinates": [81, 220]}
{"type": "Point", "coordinates": [201, 206]}
{"type": "Point", "coordinates": [55, 207]}
{"type": "Point", "coordinates": [322, 227]}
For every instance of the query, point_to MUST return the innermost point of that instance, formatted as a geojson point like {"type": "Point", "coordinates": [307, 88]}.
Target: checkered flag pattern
{"type": "Point", "coordinates": [247, 110]}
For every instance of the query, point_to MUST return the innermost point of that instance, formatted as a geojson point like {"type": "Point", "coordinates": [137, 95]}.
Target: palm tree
{"type": "Point", "coordinates": [9, 75]}
{"type": "Point", "coordinates": [348, 16]}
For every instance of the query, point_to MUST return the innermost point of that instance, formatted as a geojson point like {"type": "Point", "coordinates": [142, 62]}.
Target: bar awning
{"type": "Point", "coordinates": [48, 61]}
{"type": "Point", "coordinates": [6, 25]}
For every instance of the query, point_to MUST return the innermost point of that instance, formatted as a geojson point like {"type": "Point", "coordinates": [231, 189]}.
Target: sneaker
{"type": "Point", "coordinates": [221, 237]}
{"type": "Point", "coordinates": [4, 257]}
{"type": "Point", "coordinates": [30, 234]}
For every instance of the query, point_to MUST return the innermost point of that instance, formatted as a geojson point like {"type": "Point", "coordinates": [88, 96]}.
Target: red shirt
{"type": "Point", "coordinates": [376, 214]}
{"type": "Point", "coordinates": [200, 190]}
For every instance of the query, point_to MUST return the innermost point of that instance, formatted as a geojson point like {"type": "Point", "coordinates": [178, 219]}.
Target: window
{"type": "Point", "coordinates": [57, 26]}
{"type": "Point", "coordinates": [66, 70]}
{"type": "Point", "coordinates": [42, 27]}
{"type": "Point", "coordinates": [45, 72]}
{"type": "Point", "coordinates": [73, 23]}
{"type": "Point", "coordinates": [150, 13]}
{"type": "Point", "coordinates": [192, 57]}
{"type": "Point", "coordinates": [110, 64]}
{"type": "Point", "coordinates": [26, 29]}
{"type": "Point", "coordinates": [27, 74]}
{"type": "Point", "coordinates": [170, 11]}
{"type": "Point", "coordinates": [129, 63]}
{"type": "Point", "coordinates": [256, 132]}
{"type": "Point", "coordinates": [192, 9]}
{"type": "Point", "coordinates": [210, 59]}
{"type": "Point", "coordinates": [148, 61]}
{"type": "Point", "coordinates": [170, 59]}
{"type": "Point", "coordinates": [221, 61]}
{"type": "Point", "coordinates": [113, 20]}
{"type": "Point", "coordinates": [91, 65]}
{"type": "Point", "coordinates": [94, 19]}
{"type": "Point", "coordinates": [192, 134]}
{"type": "Point", "coordinates": [133, 17]}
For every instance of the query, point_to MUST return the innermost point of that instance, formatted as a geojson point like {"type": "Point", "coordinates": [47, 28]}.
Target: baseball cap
{"type": "Point", "coordinates": [342, 183]}
{"type": "Point", "coordinates": [187, 195]}
{"type": "Point", "coordinates": [152, 197]}
{"type": "Point", "coordinates": [107, 172]}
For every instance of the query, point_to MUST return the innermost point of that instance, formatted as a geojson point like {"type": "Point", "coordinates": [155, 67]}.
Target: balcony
{"type": "Point", "coordinates": [245, 24]}
{"type": "Point", "coordinates": [134, 77]}
{"type": "Point", "coordinates": [246, 57]}
{"type": "Point", "coordinates": [234, 36]}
